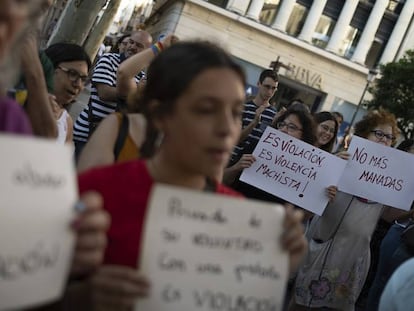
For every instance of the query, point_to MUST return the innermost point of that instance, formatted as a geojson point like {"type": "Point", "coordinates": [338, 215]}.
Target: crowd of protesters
{"type": "Point", "coordinates": [174, 111]}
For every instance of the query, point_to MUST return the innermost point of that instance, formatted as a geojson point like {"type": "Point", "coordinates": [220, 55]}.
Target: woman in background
{"type": "Point", "coordinates": [337, 264]}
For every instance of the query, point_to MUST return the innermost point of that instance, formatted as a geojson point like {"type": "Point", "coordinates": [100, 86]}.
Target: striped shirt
{"type": "Point", "coordinates": [253, 138]}
{"type": "Point", "coordinates": [104, 73]}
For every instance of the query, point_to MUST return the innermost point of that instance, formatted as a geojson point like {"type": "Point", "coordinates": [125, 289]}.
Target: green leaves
{"type": "Point", "coordinates": [394, 91]}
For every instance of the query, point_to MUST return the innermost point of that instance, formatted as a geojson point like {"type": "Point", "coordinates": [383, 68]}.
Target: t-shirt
{"type": "Point", "coordinates": [125, 188]}
{"type": "Point", "coordinates": [12, 118]}
{"type": "Point", "coordinates": [104, 73]}
{"type": "Point", "coordinates": [249, 113]}
{"type": "Point", "coordinates": [62, 126]}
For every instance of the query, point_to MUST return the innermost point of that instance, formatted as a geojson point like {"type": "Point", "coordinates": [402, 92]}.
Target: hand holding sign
{"type": "Point", "coordinates": [90, 226]}
{"type": "Point", "coordinates": [37, 195]}
{"type": "Point", "coordinates": [205, 252]}
{"type": "Point", "coordinates": [379, 173]}
{"type": "Point", "coordinates": [293, 170]}
{"type": "Point", "coordinates": [117, 288]}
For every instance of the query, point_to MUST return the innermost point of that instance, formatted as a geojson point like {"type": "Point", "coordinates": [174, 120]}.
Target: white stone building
{"type": "Point", "coordinates": [330, 45]}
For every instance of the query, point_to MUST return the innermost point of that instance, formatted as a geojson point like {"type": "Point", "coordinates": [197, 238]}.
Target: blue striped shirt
{"type": "Point", "coordinates": [253, 138]}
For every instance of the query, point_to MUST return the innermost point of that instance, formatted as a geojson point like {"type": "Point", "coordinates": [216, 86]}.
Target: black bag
{"type": "Point", "coordinates": [122, 135]}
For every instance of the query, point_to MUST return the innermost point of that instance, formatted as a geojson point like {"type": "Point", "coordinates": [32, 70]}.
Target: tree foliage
{"type": "Point", "coordinates": [394, 91]}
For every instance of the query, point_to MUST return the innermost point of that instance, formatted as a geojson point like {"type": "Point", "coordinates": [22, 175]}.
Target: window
{"type": "Point", "coordinates": [269, 11]}
{"type": "Point", "coordinates": [350, 42]}
{"type": "Point", "coordinates": [395, 6]}
{"type": "Point", "coordinates": [220, 3]}
{"type": "Point", "coordinates": [374, 53]}
{"type": "Point", "coordinates": [323, 31]}
{"type": "Point", "coordinates": [296, 20]}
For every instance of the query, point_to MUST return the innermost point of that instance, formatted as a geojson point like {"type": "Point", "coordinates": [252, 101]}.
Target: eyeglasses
{"type": "Point", "coordinates": [327, 128]}
{"type": "Point", "coordinates": [290, 126]}
{"type": "Point", "coordinates": [73, 75]}
{"type": "Point", "coordinates": [380, 135]}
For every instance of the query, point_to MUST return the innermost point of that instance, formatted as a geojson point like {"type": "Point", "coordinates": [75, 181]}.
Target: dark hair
{"type": "Point", "coordinates": [305, 119]}
{"type": "Point", "coordinates": [115, 47]}
{"type": "Point", "coordinates": [327, 116]}
{"type": "Point", "coordinates": [67, 52]}
{"type": "Point", "coordinates": [268, 73]}
{"type": "Point", "coordinates": [374, 118]}
{"type": "Point", "coordinates": [337, 114]}
{"type": "Point", "coordinates": [298, 104]}
{"type": "Point", "coordinates": [169, 76]}
{"type": "Point", "coordinates": [406, 145]}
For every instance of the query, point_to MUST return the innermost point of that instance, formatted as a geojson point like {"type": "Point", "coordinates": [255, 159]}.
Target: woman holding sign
{"type": "Point", "coordinates": [339, 258]}
{"type": "Point", "coordinates": [326, 130]}
{"type": "Point", "coordinates": [192, 102]}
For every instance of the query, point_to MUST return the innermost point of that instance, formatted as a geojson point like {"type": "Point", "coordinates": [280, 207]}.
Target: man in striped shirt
{"type": "Point", "coordinates": [257, 114]}
{"type": "Point", "coordinates": [104, 95]}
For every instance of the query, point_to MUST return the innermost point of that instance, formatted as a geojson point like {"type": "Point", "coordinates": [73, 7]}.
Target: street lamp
{"type": "Point", "coordinates": [372, 74]}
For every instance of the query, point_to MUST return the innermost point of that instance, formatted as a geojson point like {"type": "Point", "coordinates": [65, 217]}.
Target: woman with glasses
{"type": "Point", "coordinates": [294, 122]}
{"type": "Point", "coordinates": [326, 130]}
{"type": "Point", "coordinates": [71, 64]}
{"type": "Point", "coordinates": [338, 260]}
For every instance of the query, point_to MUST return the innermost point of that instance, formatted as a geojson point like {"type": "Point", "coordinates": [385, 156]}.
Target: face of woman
{"type": "Point", "coordinates": [325, 132]}
{"type": "Point", "coordinates": [292, 126]}
{"type": "Point", "coordinates": [201, 132]}
{"type": "Point", "coordinates": [382, 134]}
{"type": "Point", "coordinates": [13, 15]}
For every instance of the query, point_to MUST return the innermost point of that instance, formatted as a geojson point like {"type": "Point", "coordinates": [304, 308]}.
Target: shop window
{"type": "Point", "coordinates": [297, 20]}
{"type": "Point", "coordinates": [323, 31]}
{"type": "Point", "coordinates": [269, 11]}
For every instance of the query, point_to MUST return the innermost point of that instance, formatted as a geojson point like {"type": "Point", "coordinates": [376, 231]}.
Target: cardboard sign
{"type": "Point", "coordinates": [212, 252]}
{"type": "Point", "coordinates": [293, 170]}
{"type": "Point", "coordinates": [37, 194]}
{"type": "Point", "coordinates": [379, 173]}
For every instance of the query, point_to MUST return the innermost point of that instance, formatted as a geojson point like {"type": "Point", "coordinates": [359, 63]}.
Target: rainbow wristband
{"type": "Point", "coordinates": [157, 48]}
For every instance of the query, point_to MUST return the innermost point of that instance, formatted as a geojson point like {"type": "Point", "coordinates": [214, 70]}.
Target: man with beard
{"type": "Point", "coordinates": [104, 95]}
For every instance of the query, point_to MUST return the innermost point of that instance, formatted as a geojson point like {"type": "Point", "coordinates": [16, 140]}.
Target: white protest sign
{"type": "Point", "coordinates": [379, 173]}
{"type": "Point", "coordinates": [212, 252]}
{"type": "Point", "coordinates": [293, 170]}
{"type": "Point", "coordinates": [37, 194]}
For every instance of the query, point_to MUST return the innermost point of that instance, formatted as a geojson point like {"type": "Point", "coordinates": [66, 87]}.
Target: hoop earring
{"type": "Point", "coordinates": [159, 140]}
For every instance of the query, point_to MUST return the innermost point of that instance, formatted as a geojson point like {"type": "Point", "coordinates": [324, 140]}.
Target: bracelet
{"type": "Point", "coordinates": [157, 48]}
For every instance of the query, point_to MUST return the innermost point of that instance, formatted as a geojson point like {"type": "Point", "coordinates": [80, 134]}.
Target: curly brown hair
{"type": "Point", "coordinates": [374, 118]}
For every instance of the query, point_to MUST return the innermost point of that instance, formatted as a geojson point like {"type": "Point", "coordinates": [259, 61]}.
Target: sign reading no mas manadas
{"type": "Point", "coordinates": [379, 173]}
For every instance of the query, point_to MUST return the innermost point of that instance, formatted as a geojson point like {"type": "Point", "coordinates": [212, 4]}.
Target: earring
{"type": "Point", "coordinates": [159, 140]}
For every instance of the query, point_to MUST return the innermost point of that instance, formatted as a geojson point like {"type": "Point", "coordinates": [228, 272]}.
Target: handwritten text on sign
{"type": "Point", "coordinates": [379, 173]}
{"type": "Point", "coordinates": [212, 252]}
{"type": "Point", "coordinates": [37, 193]}
{"type": "Point", "coordinates": [293, 170]}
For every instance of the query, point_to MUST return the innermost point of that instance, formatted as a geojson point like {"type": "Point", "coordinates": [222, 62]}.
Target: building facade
{"type": "Point", "coordinates": [327, 47]}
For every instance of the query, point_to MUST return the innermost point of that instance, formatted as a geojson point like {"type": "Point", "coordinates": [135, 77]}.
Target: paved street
{"type": "Point", "coordinates": [81, 102]}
